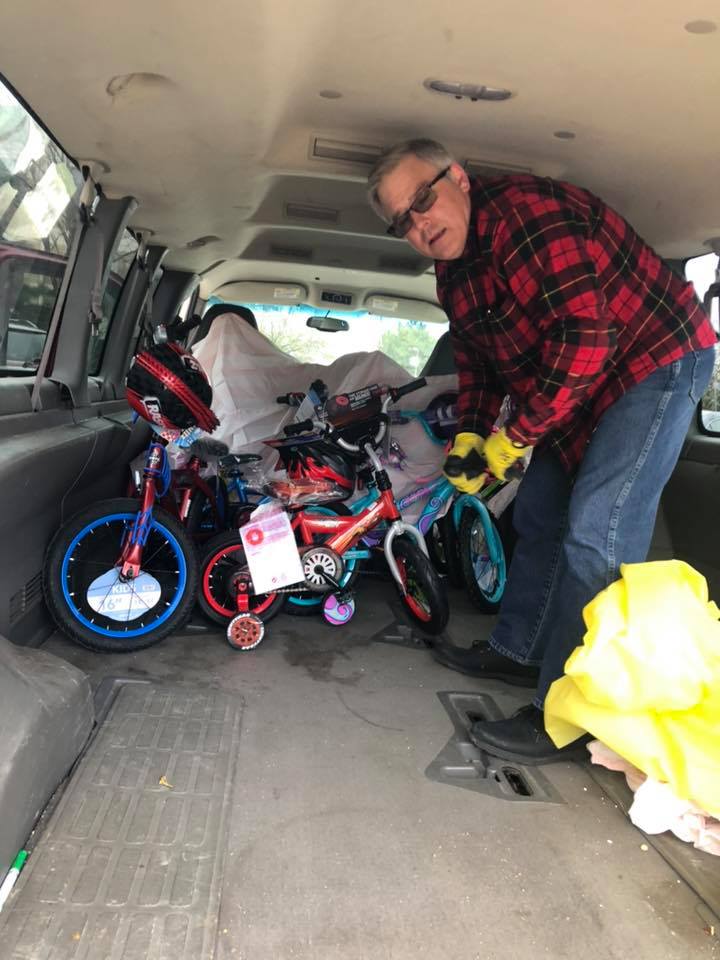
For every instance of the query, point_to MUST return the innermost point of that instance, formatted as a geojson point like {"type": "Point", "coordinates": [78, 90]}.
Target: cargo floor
{"type": "Point", "coordinates": [334, 842]}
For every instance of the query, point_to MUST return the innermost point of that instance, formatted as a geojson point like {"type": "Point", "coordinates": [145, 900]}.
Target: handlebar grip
{"type": "Point", "coordinates": [472, 465]}
{"type": "Point", "coordinates": [516, 471]}
{"type": "Point", "coordinates": [293, 429]}
{"type": "Point", "coordinates": [291, 399]}
{"type": "Point", "coordinates": [397, 392]}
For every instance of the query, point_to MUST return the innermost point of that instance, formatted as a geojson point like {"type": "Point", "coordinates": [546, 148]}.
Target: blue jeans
{"type": "Point", "coordinates": [572, 537]}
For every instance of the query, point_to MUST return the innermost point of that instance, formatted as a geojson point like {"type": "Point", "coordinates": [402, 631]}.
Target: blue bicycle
{"type": "Point", "coordinates": [462, 536]}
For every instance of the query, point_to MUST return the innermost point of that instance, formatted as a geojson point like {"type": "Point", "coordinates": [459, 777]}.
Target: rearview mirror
{"type": "Point", "coordinates": [328, 324]}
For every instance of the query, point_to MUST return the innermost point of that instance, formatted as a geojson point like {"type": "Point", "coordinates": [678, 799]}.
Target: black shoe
{"type": "Point", "coordinates": [523, 739]}
{"type": "Point", "coordinates": [483, 661]}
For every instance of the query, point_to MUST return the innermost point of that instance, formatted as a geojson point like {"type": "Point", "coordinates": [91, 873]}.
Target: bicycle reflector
{"type": "Point", "coordinates": [167, 387]}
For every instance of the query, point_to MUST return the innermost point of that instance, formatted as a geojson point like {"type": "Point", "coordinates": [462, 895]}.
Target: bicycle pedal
{"type": "Point", "coordinates": [338, 608]}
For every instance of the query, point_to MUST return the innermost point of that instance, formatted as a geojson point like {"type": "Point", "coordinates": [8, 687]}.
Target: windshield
{"type": "Point", "coordinates": [406, 341]}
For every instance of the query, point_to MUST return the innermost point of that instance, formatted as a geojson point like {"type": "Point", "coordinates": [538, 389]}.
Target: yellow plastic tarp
{"type": "Point", "coordinates": [646, 680]}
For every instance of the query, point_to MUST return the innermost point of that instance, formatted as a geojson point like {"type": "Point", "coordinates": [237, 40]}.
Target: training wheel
{"type": "Point", "coordinates": [245, 631]}
{"type": "Point", "coordinates": [336, 611]}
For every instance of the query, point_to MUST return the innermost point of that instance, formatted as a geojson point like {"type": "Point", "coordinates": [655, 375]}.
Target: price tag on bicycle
{"type": "Point", "coordinates": [271, 550]}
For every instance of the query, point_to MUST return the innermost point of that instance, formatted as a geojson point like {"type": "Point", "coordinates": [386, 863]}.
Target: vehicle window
{"type": "Point", "coordinates": [406, 341]}
{"type": "Point", "coordinates": [701, 272]}
{"type": "Point", "coordinates": [120, 264]}
{"type": "Point", "coordinates": [37, 221]}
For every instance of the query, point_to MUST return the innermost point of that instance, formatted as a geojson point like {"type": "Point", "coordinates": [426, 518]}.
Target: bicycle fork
{"type": "Point", "coordinates": [396, 529]}
{"type": "Point", "coordinates": [135, 537]}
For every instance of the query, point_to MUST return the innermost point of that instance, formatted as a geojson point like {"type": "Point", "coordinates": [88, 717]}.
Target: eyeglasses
{"type": "Point", "coordinates": [424, 199]}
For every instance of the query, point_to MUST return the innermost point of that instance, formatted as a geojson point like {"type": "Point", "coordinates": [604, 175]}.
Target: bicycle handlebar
{"type": "Point", "coordinates": [303, 426]}
{"type": "Point", "coordinates": [393, 394]}
{"type": "Point", "coordinates": [397, 392]}
{"type": "Point", "coordinates": [474, 464]}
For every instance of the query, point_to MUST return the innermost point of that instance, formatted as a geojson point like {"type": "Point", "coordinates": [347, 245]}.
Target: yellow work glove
{"type": "Point", "coordinates": [465, 466]}
{"type": "Point", "coordinates": [501, 453]}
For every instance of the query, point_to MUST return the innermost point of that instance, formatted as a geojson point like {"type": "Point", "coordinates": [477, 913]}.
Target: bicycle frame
{"type": "Point", "coordinates": [345, 532]}
{"type": "Point", "coordinates": [185, 482]}
{"type": "Point", "coordinates": [178, 486]}
{"type": "Point", "coordinates": [157, 467]}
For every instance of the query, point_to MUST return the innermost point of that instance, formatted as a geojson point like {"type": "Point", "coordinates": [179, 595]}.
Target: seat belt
{"type": "Point", "coordinates": [86, 199]}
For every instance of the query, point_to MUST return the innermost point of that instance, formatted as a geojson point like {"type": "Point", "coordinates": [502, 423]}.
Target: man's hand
{"type": "Point", "coordinates": [501, 453]}
{"type": "Point", "coordinates": [465, 466]}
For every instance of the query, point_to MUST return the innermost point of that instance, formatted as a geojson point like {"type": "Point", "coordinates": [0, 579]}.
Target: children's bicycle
{"type": "Point", "coordinates": [462, 534]}
{"type": "Point", "coordinates": [122, 574]}
{"type": "Point", "coordinates": [226, 588]}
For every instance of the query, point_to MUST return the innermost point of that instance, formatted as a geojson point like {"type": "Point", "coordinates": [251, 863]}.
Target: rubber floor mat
{"type": "Point", "coordinates": [461, 764]}
{"type": "Point", "coordinates": [130, 864]}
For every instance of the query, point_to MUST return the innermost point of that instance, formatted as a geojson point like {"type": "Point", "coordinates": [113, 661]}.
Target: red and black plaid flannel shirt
{"type": "Point", "coordinates": [557, 303]}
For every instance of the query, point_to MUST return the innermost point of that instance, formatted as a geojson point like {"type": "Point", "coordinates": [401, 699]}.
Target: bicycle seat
{"type": "Point", "coordinates": [208, 449]}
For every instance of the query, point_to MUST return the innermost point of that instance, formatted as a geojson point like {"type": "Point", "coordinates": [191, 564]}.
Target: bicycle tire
{"type": "Point", "coordinates": [89, 541]}
{"type": "Point", "coordinates": [425, 600]}
{"type": "Point", "coordinates": [307, 604]}
{"type": "Point", "coordinates": [224, 555]}
{"type": "Point", "coordinates": [442, 543]}
{"type": "Point", "coordinates": [483, 564]}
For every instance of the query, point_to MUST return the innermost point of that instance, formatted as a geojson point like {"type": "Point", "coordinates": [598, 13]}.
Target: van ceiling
{"type": "Point", "coordinates": [207, 113]}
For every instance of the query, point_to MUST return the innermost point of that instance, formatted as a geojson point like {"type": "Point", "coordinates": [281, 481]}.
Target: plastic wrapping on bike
{"type": "Point", "coordinates": [303, 492]}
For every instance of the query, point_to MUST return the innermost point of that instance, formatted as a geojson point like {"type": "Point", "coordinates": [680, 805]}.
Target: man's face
{"type": "Point", "coordinates": [441, 231]}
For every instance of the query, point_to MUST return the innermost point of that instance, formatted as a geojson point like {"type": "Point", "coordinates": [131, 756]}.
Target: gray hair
{"type": "Point", "coordinates": [421, 147]}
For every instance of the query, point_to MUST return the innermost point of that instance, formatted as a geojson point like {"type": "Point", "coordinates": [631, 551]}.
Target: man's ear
{"type": "Point", "coordinates": [460, 177]}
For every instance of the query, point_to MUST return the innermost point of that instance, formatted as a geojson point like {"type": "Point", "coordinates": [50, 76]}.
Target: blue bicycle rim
{"type": "Point", "coordinates": [140, 631]}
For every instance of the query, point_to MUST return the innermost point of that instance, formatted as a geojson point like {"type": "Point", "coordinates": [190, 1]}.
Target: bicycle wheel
{"type": "Point", "coordinates": [482, 558]}
{"type": "Point", "coordinates": [422, 594]}
{"type": "Point", "coordinates": [88, 600]}
{"type": "Point", "coordinates": [307, 603]}
{"type": "Point", "coordinates": [221, 564]}
{"type": "Point", "coordinates": [442, 543]}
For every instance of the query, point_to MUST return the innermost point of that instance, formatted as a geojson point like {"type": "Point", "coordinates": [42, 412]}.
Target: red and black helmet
{"type": "Point", "coordinates": [167, 387]}
{"type": "Point", "coordinates": [314, 459]}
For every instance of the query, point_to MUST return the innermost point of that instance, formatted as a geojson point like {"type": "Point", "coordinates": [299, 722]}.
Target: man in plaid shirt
{"type": "Point", "coordinates": [604, 353]}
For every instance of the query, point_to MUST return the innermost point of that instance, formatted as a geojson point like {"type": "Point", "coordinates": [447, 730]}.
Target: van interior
{"type": "Point", "coordinates": [315, 798]}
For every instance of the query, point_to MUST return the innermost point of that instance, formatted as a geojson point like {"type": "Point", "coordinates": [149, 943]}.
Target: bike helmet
{"type": "Point", "coordinates": [313, 459]}
{"type": "Point", "coordinates": [167, 387]}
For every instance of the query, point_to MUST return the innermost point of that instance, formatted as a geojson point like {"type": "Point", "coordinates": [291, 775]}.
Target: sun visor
{"type": "Point", "coordinates": [256, 291]}
{"type": "Point", "coordinates": [387, 305]}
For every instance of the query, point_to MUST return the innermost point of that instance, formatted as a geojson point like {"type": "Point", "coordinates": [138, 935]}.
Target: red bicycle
{"type": "Point", "coordinates": [200, 505]}
{"type": "Point", "coordinates": [227, 594]}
